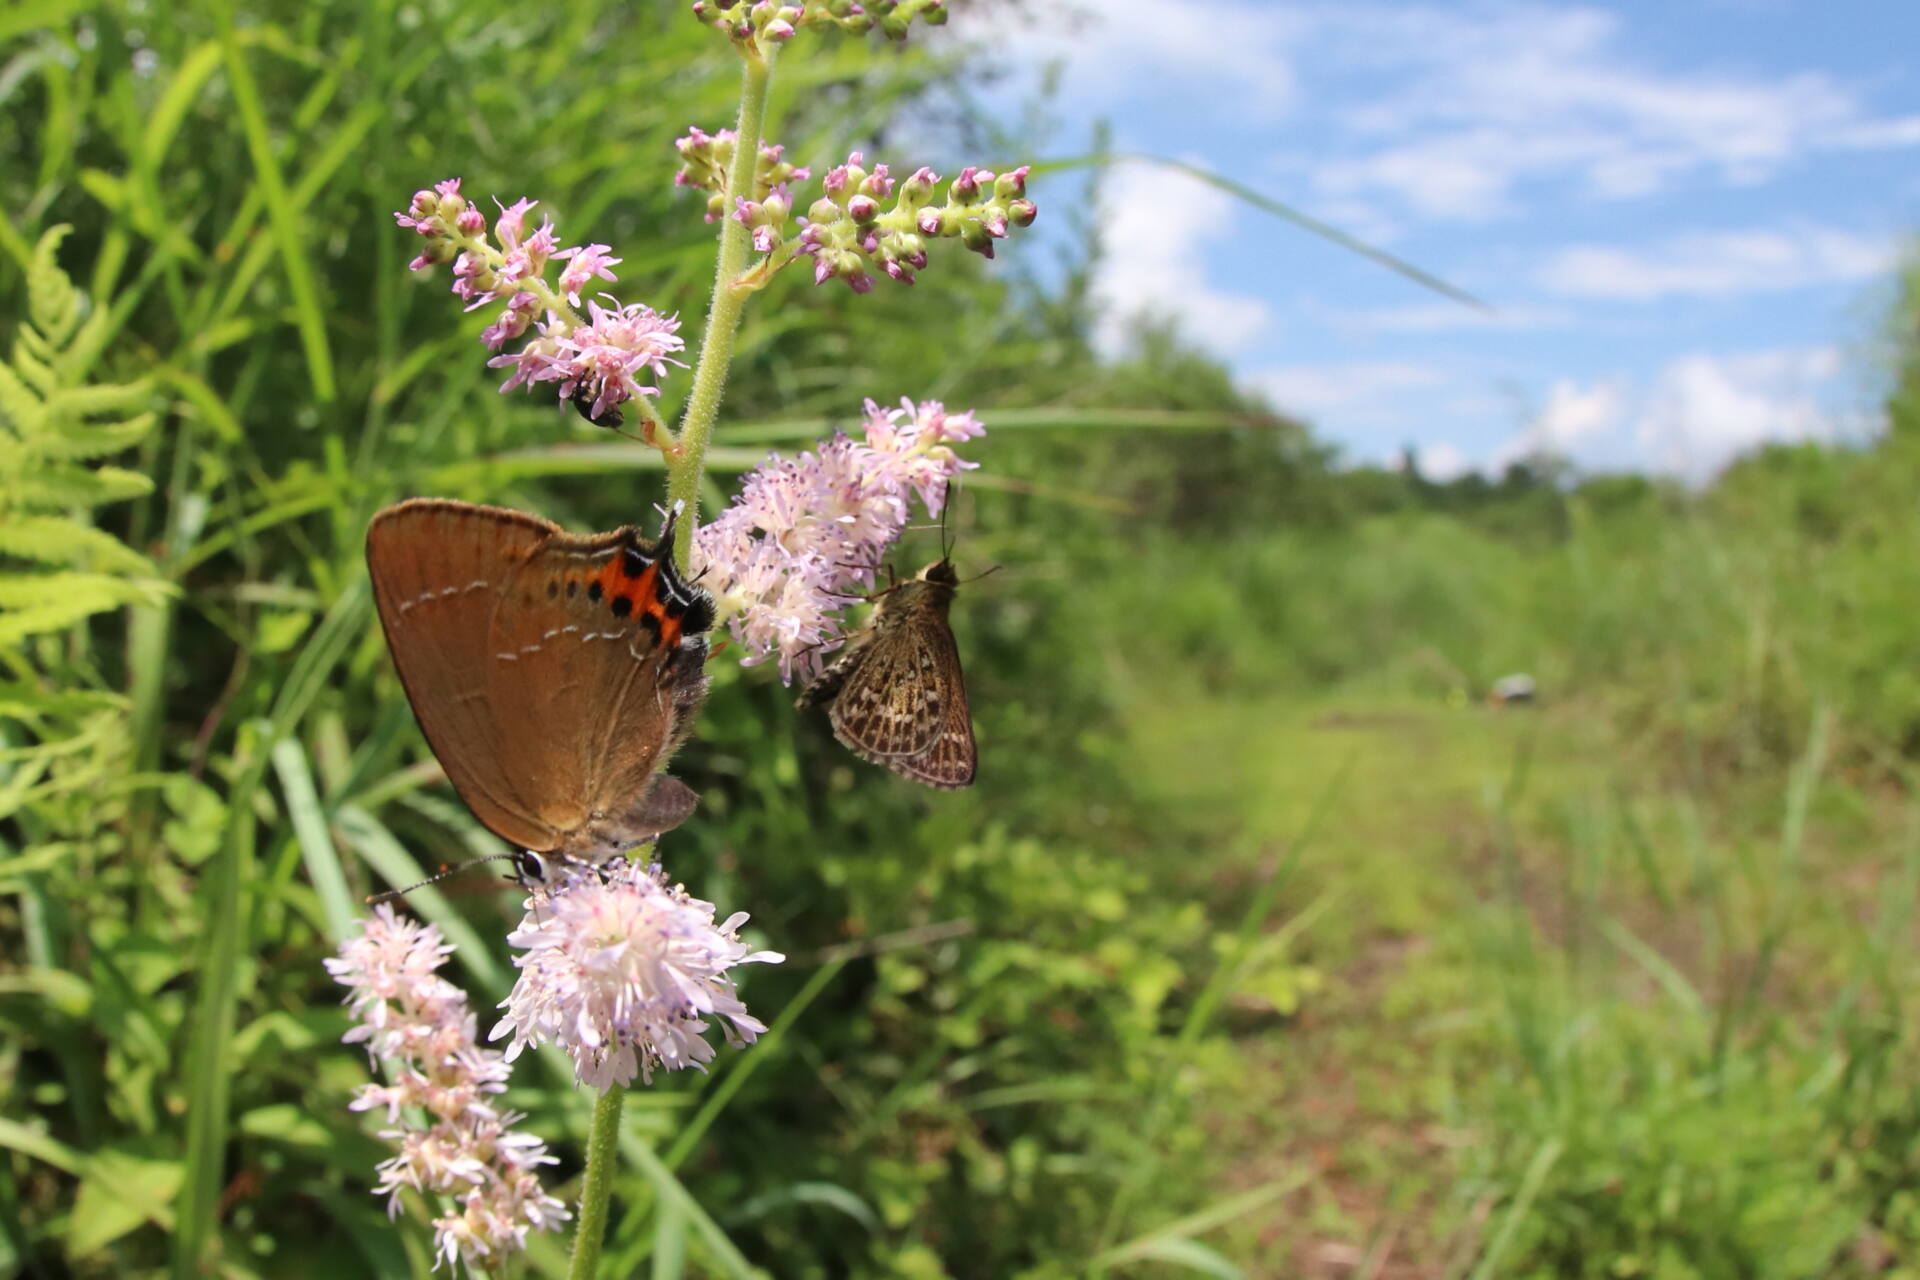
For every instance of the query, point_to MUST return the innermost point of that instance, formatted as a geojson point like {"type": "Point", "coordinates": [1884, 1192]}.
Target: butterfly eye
{"type": "Point", "coordinates": [530, 869]}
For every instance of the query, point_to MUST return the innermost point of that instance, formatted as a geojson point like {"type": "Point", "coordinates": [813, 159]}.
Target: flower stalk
{"type": "Point", "coordinates": [687, 456]}
{"type": "Point", "coordinates": [597, 1185]}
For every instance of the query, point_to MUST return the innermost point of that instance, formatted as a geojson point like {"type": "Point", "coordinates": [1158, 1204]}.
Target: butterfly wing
{"type": "Point", "coordinates": [438, 569]}
{"type": "Point", "coordinates": [553, 699]}
{"type": "Point", "coordinates": [894, 695]}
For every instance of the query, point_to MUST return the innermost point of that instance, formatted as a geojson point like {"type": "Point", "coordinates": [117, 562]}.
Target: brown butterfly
{"type": "Point", "coordinates": [895, 695]}
{"type": "Point", "coordinates": [552, 673]}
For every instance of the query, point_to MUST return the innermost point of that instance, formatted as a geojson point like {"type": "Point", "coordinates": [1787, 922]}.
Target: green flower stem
{"type": "Point", "coordinates": [602, 1142]}
{"type": "Point", "coordinates": [687, 457]}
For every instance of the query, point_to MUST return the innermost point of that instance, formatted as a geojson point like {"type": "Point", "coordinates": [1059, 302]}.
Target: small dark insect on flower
{"type": "Point", "coordinates": [895, 696]}
{"type": "Point", "coordinates": [611, 418]}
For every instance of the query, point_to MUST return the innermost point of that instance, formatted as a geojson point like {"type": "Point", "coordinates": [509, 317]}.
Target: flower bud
{"type": "Point", "coordinates": [1022, 212]}
{"type": "Point", "coordinates": [918, 188]}
{"type": "Point", "coordinates": [965, 189]}
{"type": "Point", "coordinates": [1012, 183]}
{"type": "Point", "coordinates": [863, 208]}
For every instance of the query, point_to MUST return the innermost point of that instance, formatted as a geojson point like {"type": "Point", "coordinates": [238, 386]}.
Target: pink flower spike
{"type": "Point", "coordinates": [584, 265]}
{"type": "Point", "coordinates": [511, 224]}
{"type": "Point", "coordinates": [467, 1147]}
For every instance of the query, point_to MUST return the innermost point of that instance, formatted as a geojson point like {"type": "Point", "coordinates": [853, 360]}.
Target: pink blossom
{"type": "Point", "coordinates": [586, 263]}
{"type": "Point", "coordinates": [806, 535]}
{"type": "Point", "coordinates": [624, 972]}
{"type": "Point", "coordinates": [469, 1150]}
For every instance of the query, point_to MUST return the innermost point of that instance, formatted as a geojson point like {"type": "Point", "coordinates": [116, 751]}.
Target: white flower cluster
{"type": "Point", "coordinates": [624, 971]}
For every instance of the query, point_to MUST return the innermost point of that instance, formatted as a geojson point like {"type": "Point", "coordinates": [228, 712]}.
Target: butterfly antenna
{"type": "Point", "coordinates": [673, 518]}
{"type": "Point", "coordinates": [446, 869]}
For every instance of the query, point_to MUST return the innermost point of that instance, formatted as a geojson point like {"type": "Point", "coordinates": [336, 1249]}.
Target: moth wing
{"type": "Point", "coordinates": [894, 699]}
{"type": "Point", "coordinates": [950, 762]}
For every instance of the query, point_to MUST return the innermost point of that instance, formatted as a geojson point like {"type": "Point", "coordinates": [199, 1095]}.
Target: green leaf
{"type": "Point", "coordinates": [288, 1123]}
{"type": "Point", "coordinates": [120, 1192]}
{"type": "Point", "coordinates": [36, 1145]}
{"type": "Point", "coordinates": [1192, 1256]}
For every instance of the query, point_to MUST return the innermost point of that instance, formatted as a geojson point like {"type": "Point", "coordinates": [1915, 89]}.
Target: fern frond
{"type": "Point", "coordinates": [54, 306]}
{"type": "Point", "coordinates": [60, 486]}
{"type": "Point", "coordinates": [38, 590]}
{"type": "Point", "coordinates": [96, 441]}
{"type": "Point", "coordinates": [19, 405]}
{"type": "Point", "coordinates": [58, 541]}
{"type": "Point", "coordinates": [37, 374]}
{"type": "Point", "coordinates": [108, 397]}
{"type": "Point", "coordinates": [78, 359]}
{"type": "Point", "coordinates": [61, 613]}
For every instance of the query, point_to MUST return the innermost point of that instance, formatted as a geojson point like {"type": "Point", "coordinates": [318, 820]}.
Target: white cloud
{"type": "Point", "coordinates": [1718, 264]}
{"type": "Point", "coordinates": [1698, 412]}
{"type": "Point", "coordinates": [1703, 409]}
{"type": "Point", "coordinates": [1442, 462]}
{"type": "Point", "coordinates": [1157, 231]}
{"type": "Point", "coordinates": [1478, 102]}
{"type": "Point", "coordinates": [1449, 317]}
{"type": "Point", "coordinates": [1228, 54]}
{"type": "Point", "coordinates": [1572, 416]}
{"type": "Point", "coordinates": [1366, 392]}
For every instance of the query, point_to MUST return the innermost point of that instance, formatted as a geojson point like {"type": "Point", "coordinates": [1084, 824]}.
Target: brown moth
{"type": "Point", "coordinates": [895, 695]}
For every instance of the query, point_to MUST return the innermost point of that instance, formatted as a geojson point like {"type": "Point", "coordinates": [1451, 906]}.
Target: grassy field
{"type": "Point", "coordinates": [1263, 946]}
{"type": "Point", "coordinates": [1609, 985]}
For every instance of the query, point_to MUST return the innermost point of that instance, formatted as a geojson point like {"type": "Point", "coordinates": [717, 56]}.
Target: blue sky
{"type": "Point", "coordinates": [1687, 214]}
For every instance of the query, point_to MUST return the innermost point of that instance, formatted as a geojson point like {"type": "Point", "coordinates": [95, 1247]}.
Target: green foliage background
{"type": "Point", "coordinates": [1259, 938]}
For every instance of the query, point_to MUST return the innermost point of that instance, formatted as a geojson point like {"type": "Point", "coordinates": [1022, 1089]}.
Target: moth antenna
{"type": "Point", "coordinates": [446, 869]}
{"type": "Point", "coordinates": [946, 502]}
{"type": "Point", "coordinates": [976, 577]}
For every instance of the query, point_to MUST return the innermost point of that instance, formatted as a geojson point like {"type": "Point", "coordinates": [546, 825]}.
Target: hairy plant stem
{"type": "Point", "coordinates": [602, 1142]}
{"type": "Point", "coordinates": [686, 457]}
